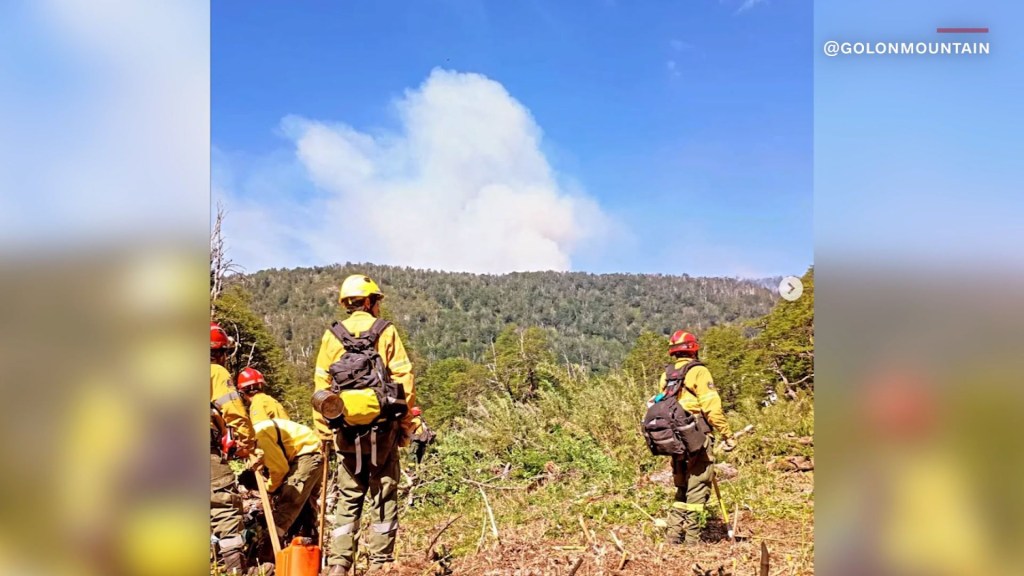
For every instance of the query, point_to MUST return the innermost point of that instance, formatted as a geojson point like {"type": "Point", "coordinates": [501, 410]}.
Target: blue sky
{"type": "Point", "coordinates": [99, 101]}
{"type": "Point", "coordinates": [680, 132]}
{"type": "Point", "coordinates": [918, 160]}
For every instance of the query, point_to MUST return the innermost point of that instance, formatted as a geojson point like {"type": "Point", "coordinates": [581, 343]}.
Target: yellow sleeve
{"type": "Point", "coordinates": [227, 400]}
{"type": "Point", "coordinates": [275, 460]}
{"type": "Point", "coordinates": [256, 412]}
{"type": "Point", "coordinates": [703, 386]}
{"type": "Point", "coordinates": [298, 438]}
{"type": "Point", "coordinates": [393, 352]}
{"type": "Point", "coordinates": [661, 382]}
{"type": "Point", "coordinates": [265, 407]}
{"type": "Point", "coordinates": [330, 351]}
{"type": "Point", "coordinates": [277, 409]}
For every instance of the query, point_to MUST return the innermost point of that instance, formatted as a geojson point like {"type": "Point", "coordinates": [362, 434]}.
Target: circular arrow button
{"type": "Point", "coordinates": [791, 288]}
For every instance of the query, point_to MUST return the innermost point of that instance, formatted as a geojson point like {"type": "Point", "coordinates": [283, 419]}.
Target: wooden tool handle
{"type": "Point", "coordinates": [323, 496]}
{"type": "Point", "coordinates": [268, 510]}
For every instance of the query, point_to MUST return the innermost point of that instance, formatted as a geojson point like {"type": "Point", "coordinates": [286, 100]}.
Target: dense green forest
{"type": "Point", "coordinates": [519, 333]}
{"type": "Point", "coordinates": [590, 319]}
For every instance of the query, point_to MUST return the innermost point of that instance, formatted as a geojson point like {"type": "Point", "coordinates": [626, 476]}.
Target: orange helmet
{"type": "Point", "coordinates": [682, 341]}
{"type": "Point", "coordinates": [219, 339]}
{"type": "Point", "coordinates": [249, 380]}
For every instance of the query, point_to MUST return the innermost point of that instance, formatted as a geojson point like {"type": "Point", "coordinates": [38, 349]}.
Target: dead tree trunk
{"type": "Point", "coordinates": [220, 265]}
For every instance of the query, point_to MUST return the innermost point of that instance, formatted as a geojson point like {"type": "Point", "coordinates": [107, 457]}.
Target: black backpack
{"type": "Point", "coordinates": [425, 436]}
{"type": "Point", "coordinates": [668, 428]}
{"type": "Point", "coordinates": [363, 383]}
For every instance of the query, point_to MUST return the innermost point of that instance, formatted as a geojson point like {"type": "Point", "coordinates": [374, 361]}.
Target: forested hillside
{"type": "Point", "coordinates": [590, 319]}
{"type": "Point", "coordinates": [554, 446]}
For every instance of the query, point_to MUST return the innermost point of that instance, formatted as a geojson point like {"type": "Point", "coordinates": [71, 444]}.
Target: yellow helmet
{"type": "Point", "coordinates": [358, 286]}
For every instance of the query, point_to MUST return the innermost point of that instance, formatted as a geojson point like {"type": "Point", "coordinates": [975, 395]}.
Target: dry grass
{"type": "Point", "coordinates": [525, 550]}
{"type": "Point", "coordinates": [543, 533]}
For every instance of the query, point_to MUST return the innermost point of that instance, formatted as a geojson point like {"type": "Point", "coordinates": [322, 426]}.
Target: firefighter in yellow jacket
{"type": "Point", "coordinates": [231, 435]}
{"type": "Point", "coordinates": [422, 435]}
{"type": "Point", "coordinates": [692, 476]}
{"type": "Point", "coordinates": [357, 478]}
{"type": "Point", "coordinates": [292, 457]}
{"type": "Point", "coordinates": [261, 405]}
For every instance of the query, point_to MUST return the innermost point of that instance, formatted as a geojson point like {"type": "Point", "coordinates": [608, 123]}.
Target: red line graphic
{"type": "Point", "coordinates": [962, 30]}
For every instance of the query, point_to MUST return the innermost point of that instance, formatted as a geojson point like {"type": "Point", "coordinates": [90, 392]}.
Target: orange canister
{"type": "Point", "coordinates": [300, 558]}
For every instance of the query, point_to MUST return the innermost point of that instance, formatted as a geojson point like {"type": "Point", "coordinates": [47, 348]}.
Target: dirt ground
{"type": "Point", "coordinates": [789, 545]}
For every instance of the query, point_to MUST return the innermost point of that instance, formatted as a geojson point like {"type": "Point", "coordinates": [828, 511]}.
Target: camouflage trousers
{"type": "Point", "coordinates": [226, 518]}
{"type": "Point", "coordinates": [692, 478]}
{"type": "Point", "coordinates": [379, 485]}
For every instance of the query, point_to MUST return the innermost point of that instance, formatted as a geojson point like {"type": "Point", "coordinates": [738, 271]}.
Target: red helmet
{"type": "Point", "coordinates": [249, 380]}
{"type": "Point", "coordinates": [682, 341]}
{"type": "Point", "coordinates": [219, 339]}
{"type": "Point", "coordinates": [415, 411]}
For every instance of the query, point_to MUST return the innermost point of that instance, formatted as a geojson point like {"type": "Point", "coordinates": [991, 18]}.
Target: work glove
{"type": "Point", "coordinates": [728, 445]}
{"type": "Point", "coordinates": [255, 459]}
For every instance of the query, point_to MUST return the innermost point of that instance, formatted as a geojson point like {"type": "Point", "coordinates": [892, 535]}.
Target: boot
{"type": "Point", "coordinates": [265, 569]}
{"type": "Point", "coordinates": [676, 533]}
{"type": "Point", "coordinates": [692, 528]}
{"type": "Point", "coordinates": [336, 571]}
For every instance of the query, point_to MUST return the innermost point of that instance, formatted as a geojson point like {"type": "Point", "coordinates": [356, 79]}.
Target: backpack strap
{"type": "Point", "coordinates": [373, 334]}
{"type": "Point", "coordinates": [373, 447]}
{"type": "Point", "coordinates": [679, 378]}
{"type": "Point", "coordinates": [378, 328]}
{"type": "Point", "coordinates": [342, 334]}
{"type": "Point", "coordinates": [359, 455]}
{"type": "Point", "coordinates": [348, 340]}
{"type": "Point", "coordinates": [672, 383]}
{"type": "Point", "coordinates": [279, 443]}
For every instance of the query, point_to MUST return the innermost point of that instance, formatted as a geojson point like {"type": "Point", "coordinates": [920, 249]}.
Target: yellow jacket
{"type": "Point", "coordinates": [391, 350]}
{"type": "Point", "coordinates": [699, 396]}
{"type": "Point", "coordinates": [263, 407]}
{"type": "Point", "coordinates": [224, 397]}
{"type": "Point", "coordinates": [295, 439]}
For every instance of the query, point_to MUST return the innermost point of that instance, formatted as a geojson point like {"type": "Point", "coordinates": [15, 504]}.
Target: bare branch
{"type": "Point", "coordinates": [438, 535]}
{"type": "Point", "coordinates": [251, 352]}
{"type": "Point", "coordinates": [802, 380]}
{"type": "Point", "coordinates": [220, 265]}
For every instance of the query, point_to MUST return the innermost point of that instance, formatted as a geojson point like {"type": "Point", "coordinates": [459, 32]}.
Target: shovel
{"type": "Point", "coordinates": [268, 510]}
{"type": "Point", "coordinates": [721, 504]}
{"type": "Point", "coordinates": [718, 494]}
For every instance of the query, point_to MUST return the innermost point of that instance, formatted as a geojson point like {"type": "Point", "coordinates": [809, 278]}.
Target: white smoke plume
{"type": "Point", "coordinates": [464, 186]}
